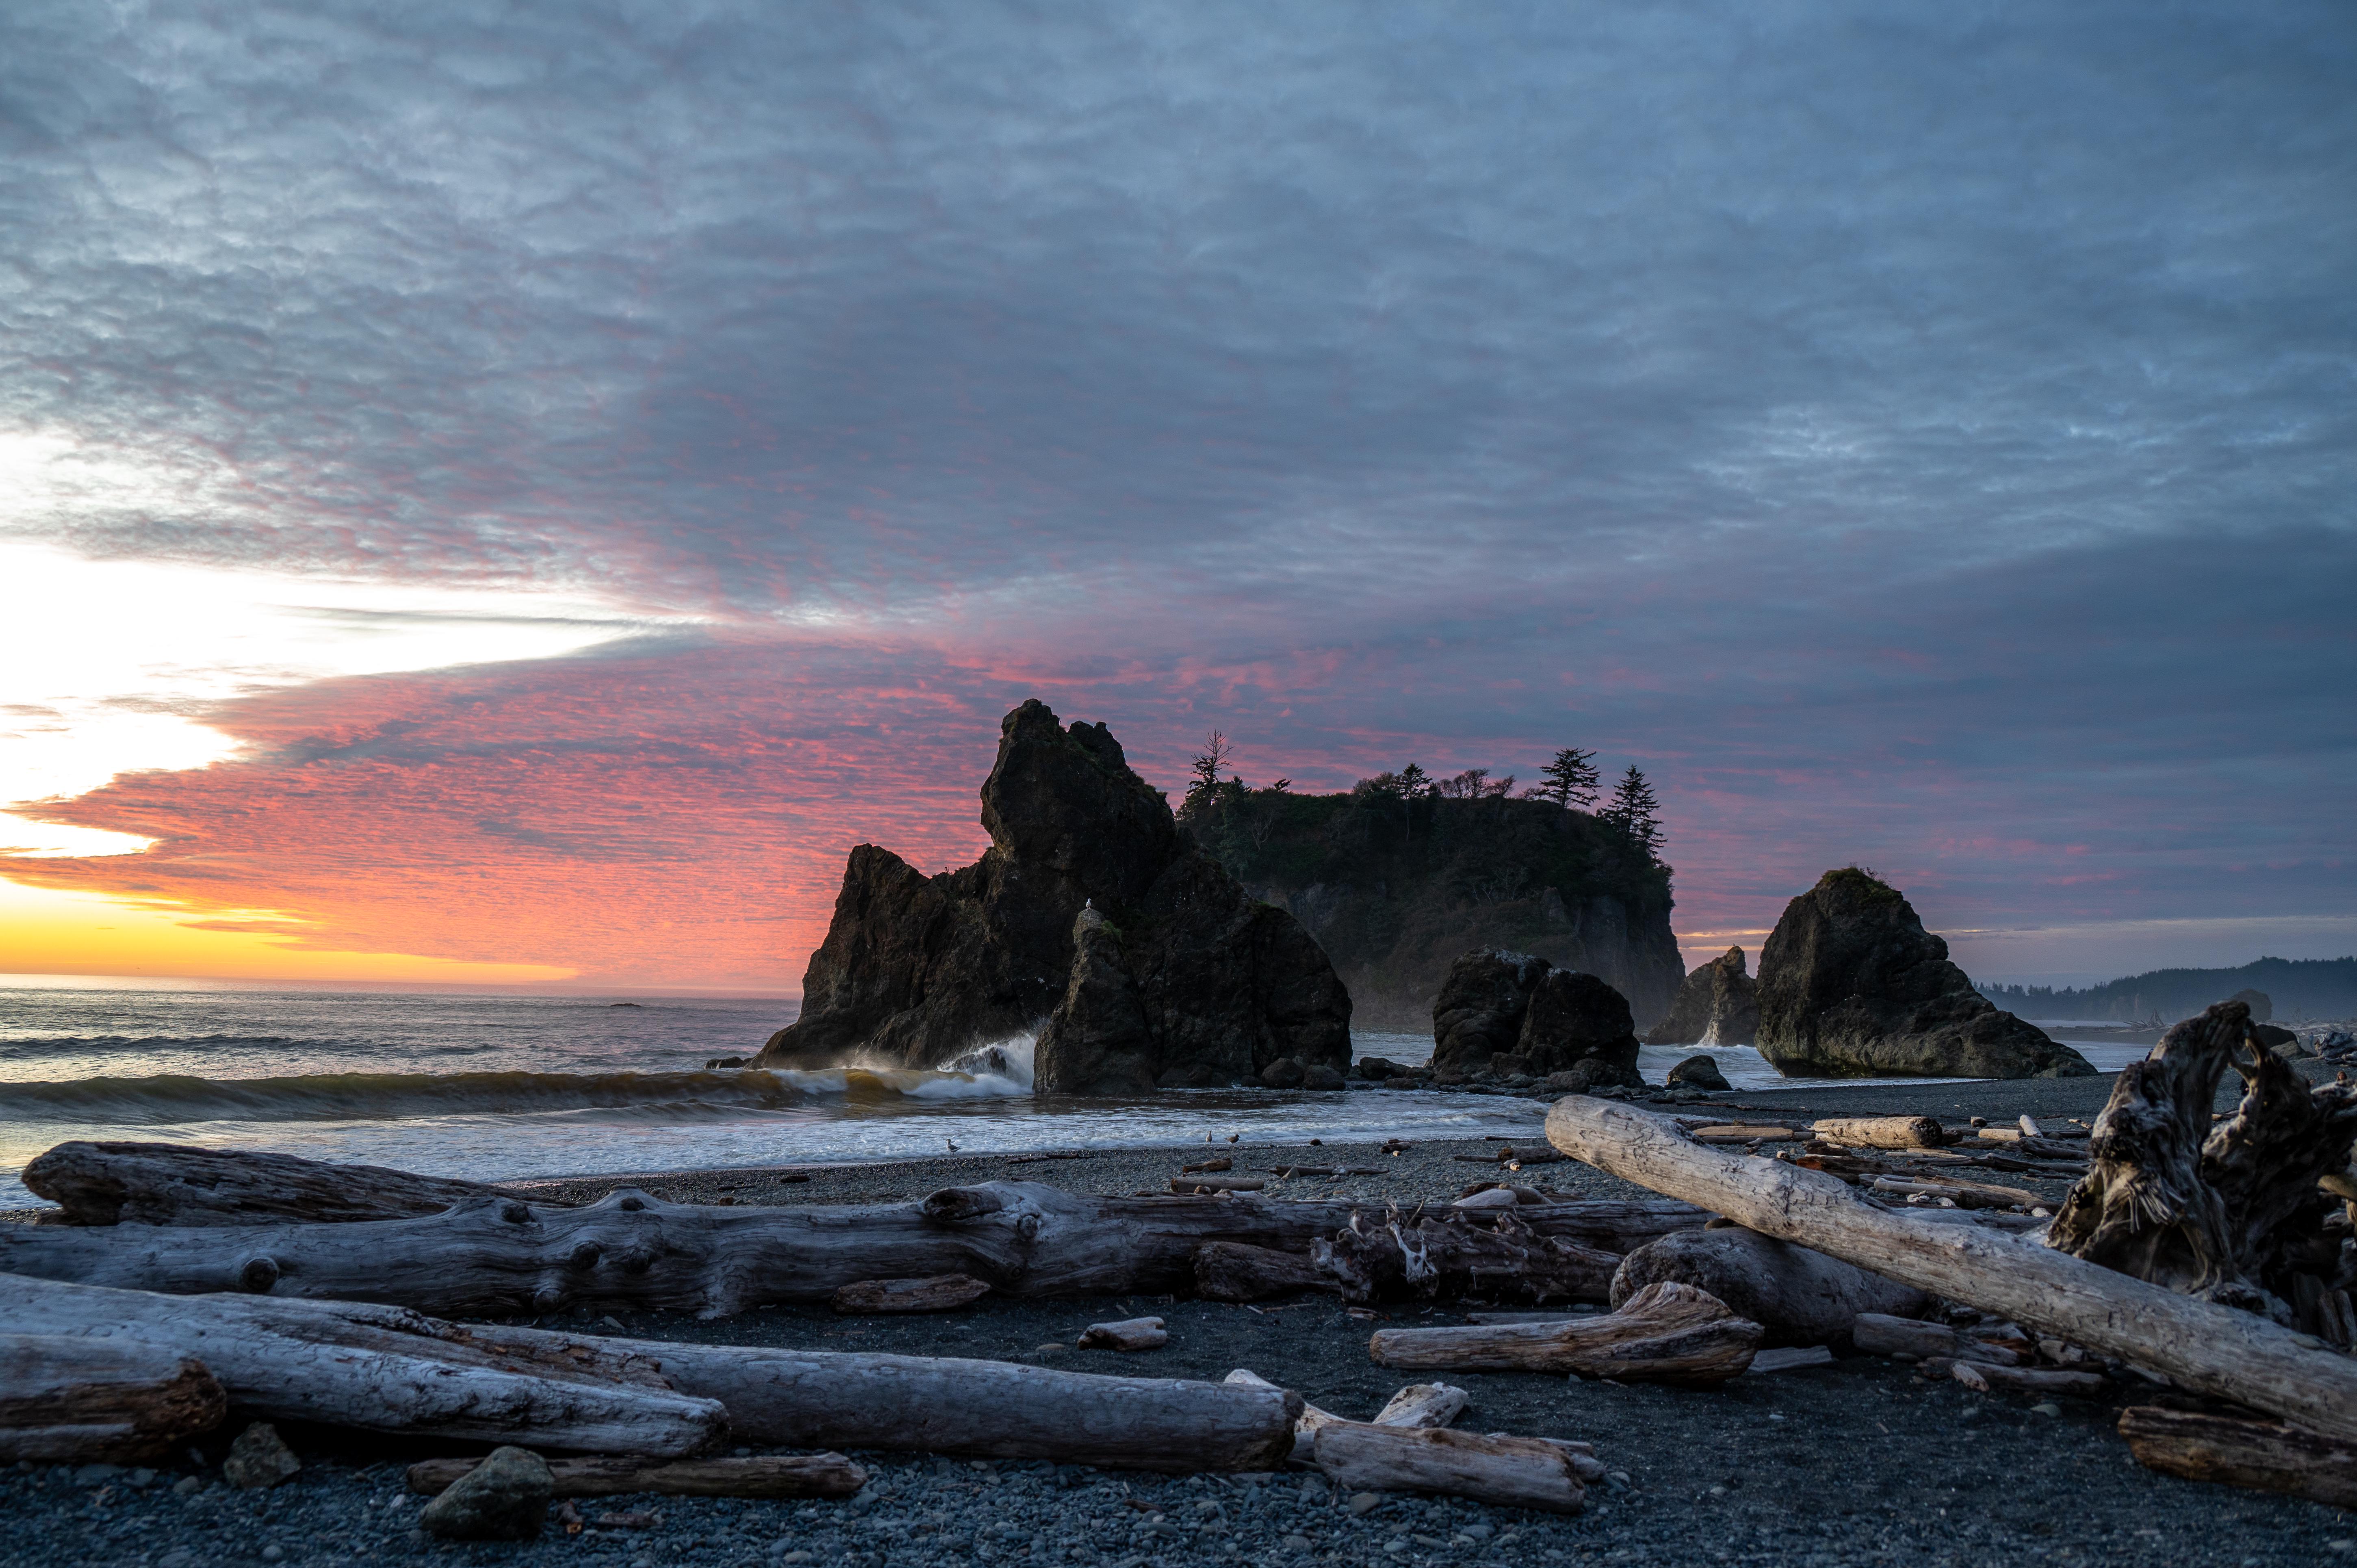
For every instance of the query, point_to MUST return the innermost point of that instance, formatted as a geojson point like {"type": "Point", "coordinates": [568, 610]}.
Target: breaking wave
{"type": "Point", "coordinates": [992, 1072]}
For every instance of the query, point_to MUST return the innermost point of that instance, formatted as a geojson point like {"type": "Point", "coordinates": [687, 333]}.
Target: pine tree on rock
{"type": "Point", "coordinates": [1571, 779]}
{"type": "Point", "coordinates": [1635, 811]}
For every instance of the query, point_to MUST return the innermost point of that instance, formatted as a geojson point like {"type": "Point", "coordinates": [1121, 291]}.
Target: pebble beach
{"type": "Point", "coordinates": [1855, 1461]}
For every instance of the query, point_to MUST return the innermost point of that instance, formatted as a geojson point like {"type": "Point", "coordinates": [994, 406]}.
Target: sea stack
{"type": "Point", "coordinates": [1852, 985]}
{"type": "Point", "coordinates": [1516, 1005]}
{"type": "Point", "coordinates": [1717, 1006]}
{"type": "Point", "coordinates": [1090, 918]}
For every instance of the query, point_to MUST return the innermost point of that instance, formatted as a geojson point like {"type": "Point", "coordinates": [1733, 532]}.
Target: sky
{"type": "Point", "coordinates": [508, 494]}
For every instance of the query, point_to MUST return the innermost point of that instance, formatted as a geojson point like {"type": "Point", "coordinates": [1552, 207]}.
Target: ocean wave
{"type": "Point", "coordinates": [168, 1099]}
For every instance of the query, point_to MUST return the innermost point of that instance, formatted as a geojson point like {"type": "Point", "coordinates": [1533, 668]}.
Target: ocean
{"type": "Point", "coordinates": [496, 1087]}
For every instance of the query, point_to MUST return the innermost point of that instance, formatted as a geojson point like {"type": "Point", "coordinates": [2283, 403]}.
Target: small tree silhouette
{"type": "Point", "coordinates": [1208, 762]}
{"type": "Point", "coordinates": [1635, 810]}
{"type": "Point", "coordinates": [1571, 779]}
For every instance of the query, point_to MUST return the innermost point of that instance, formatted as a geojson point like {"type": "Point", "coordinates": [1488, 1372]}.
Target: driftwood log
{"type": "Point", "coordinates": [1882, 1132]}
{"type": "Point", "coordinates": [611, 1474]}
{"type": "Point", "coordinates": [1519, 1472]}
{"type": "Point", "coordinates": [67, 1400]}
{"type": "Point", "coordinates": [1513, 1472]}
{"type": "Point", "coordinates": [2230, 1214]}
{"type": "Point", "coordinates": [2265, 1454]}
{"type": "Point", "coordinates": [1129, 1334]}
{"type": "Point", "coordinates": [1878, 1334]}
{"type": "Point", "coordinates": [1422, 1404]}
{"type": "Point", "coordinates": [1665, 1334]}
{"type": "Point", "coordinates": [1798, 1296]}
{"type": "Point", "coordinates": [2212, 1350]}
{"type": "Point", "coordinates": [386, 1370]}
{"type": "Point", "coordinates": [1229, 1271]}
{"type": "Point", "coordinates": [494, 1256]}
{"type": "Point", "coordinates": [1981, 1376]}
{"type": "Point", "coordinates": [172, 1184]}
{"type": "Point", "coordinates": [936, 1292]}
{"type": "Point", "coordinates": [1491, 1253]}
{"type": "Point", "coordinates": [980, 1410]}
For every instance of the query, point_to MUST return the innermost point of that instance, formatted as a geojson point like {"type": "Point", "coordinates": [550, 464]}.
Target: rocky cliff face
{"type": "Point", "coordinates": [1179, 978]}
{"type": "Point", "coordinates": [1516, 1009]}
{"type": "Point", "coordinates": [1394, 891]}
{"type": "Point", "coordinates": [1852, 984]}
{"type": "Point", "coordinates": [1717, 1006]}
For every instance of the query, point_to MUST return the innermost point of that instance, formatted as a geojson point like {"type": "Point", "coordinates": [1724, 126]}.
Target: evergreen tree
{"type": "Point", "coordinates": [1208, 763]}
{"type": "Point", "coordinates": [1571, 779]}
{"type": "Point", "coordinates": [1413, 781]}
{"type": "Point", "coordinates": [1635, 811]}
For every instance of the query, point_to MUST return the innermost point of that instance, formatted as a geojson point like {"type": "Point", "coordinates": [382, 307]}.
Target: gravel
{"type": "Point", "coordinates": [1855, 1462]}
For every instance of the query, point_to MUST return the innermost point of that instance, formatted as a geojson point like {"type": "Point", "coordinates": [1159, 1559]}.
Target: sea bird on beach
{"type": "Point", "coordinates": [952, 1143]}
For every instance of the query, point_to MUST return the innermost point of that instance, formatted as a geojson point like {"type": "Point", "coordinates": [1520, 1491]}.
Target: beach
{"type": "Point", "coordinates": [1855, 1462]}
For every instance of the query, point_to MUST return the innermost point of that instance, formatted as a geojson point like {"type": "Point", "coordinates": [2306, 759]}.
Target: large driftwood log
{"type": "Point", "coordinates": [612, 1475]}
{"type": "Point", "coordinates": [496, 1256]}
{"type": "Point", "coordinates": [1798, 1297]}
{"type": "Point", "coordinates": [982, 1410]}
{"type": "Point", "coordinates": [2265, 1454]}
{"type": "Point", "coordinates": [384, 1369]}
{"type": "Point", "coordinates": [1665, 1334]}
{"type": "Point", "coordinates": [66, 1399]}
{"type": "Point", "coordinates": [2211, 1349]}
{"type": "Point", "coordinates": [1514, 1472]}
{"type": "Point", "coordinates": [2230, 1214]}
{"type": "Point", "coordinates": [172, 1184]}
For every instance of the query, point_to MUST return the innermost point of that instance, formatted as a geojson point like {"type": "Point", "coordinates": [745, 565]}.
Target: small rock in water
{"type": "Point", "coordinates": [258, 1459]}
{"type": "Point", "coordinates": [1285, 1072]}
{"type": "Point", "coordinates": [1702, 1072]}
{"type": "Point", "coordinates": [505, 1498]}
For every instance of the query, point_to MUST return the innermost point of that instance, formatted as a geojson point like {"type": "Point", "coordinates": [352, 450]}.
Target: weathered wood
{"type": "Point", "coordinates": [173, 1184]}
{"type": "Point", "coordinates": [1513, 1472]}
{"type": "Point", "coordinates": [1229, 1271]}
{"type": "Point", "coordinates": [1798, 1296]}
{"type": "Point", "coordinates": [492, 1257]}
{"type": "Point", "coordinates": [980, 1410]}
{"type": "Point", "coordinates": [1880, 1334]}
{"type": "Point", "coordinates": [612, 1475]}
{"type": "Point", "coordinates": [2211, 1349]}
{"type": "Point", "coordinates": [1882, 1132]}
{"type": "Point", "coordinates": [1129, 1334]}
{"type": "Point", "coordinates": [67, 1401]}
{"type": "Point", "coordinates": [2231, 1213]}
{"type": "Point", "coordinates": [1983, 1376]}
{"type": "Point", "coordinates": [1665, 1334]}
{"type": "Point", "coordinates": [935, 1293]}
{"type": "Point", "coordinates": [2268, 1455]}
{"type": "Point", "coordinates": [1424, 1404]}
{"type": "Point", "coordinates": [1963, 1194]}
{"type": "Point", "coordinates": [386, 1370]}
{"type": "Point", "coordinates": [1497, 1253]}
{"type": "Point", "coordinates": [1202, 1184]}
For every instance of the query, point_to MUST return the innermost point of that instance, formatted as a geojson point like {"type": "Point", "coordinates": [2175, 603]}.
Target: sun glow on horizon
{"type": "Point", "coordinates": [114, 666]}
{"type": "Point", "coordinates": [57, 932]}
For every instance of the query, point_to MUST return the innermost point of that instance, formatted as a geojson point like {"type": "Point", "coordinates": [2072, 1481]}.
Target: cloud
{"type": "Point", "coordinates": [1921, 435]}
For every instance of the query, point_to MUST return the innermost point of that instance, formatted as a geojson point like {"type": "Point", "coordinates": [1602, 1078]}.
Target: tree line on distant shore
{"type": "Point", "coordinates": [1569, 780]}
